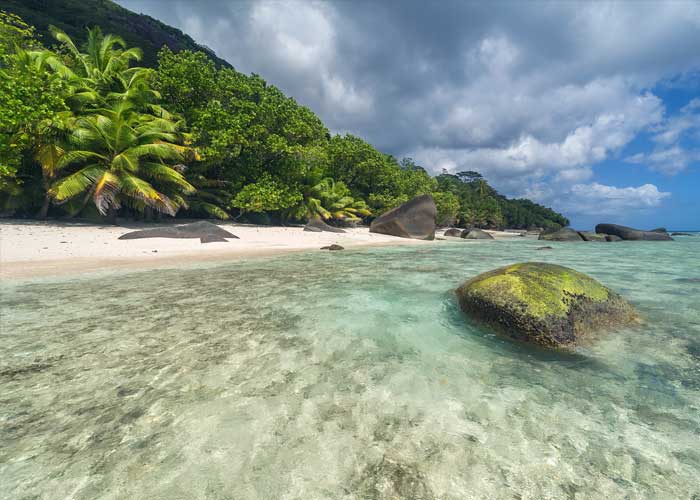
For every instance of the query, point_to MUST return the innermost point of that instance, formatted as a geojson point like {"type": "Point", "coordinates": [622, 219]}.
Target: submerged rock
{"type": "Point", "coordinates": [414, 219]}
{"type": "Point", "coordinates": [392, 480]}
{"type": "Point", "coordinates": [563, 234]}
{"type": "Point", "coordinates": [544, 248]}
{"type": "Point", "coordinates": [590, 236]}
{"type": "Point", "coordinates": [316, 225]}
{"type": "Point", "coordinates": [545, 304]}
{"type": "Point", "coordinates": [628, 233]}
{"type": "Point", "coordinates": [681, 234]}
{"type": "Point", "coordinates": [476, 234]}
{"type": "Point", "coordinates": [204, 230]}
{"type": "Point", "coordinates": [453, 231]}
{"type": "Point", "coordinates": [333, 247]}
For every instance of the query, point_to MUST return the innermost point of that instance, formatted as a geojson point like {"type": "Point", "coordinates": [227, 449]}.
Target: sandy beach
{"type": "Point", "coordinates": [31, 249]}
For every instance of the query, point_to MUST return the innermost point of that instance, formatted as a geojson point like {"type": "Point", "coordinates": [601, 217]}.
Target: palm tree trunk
{"type": "Point", "coordinates": [44, 211]}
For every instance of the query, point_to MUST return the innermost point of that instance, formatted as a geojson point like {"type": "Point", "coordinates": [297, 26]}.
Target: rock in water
{"type": "Point", "coordinates": [333, 247]}
{"type": "Point", "coordinates": [563, 234]}
{"type": "Point", "coordinates": [612, 237]}
{"type": "Point", "coordinates": [628, 233]}
{"type": "Point", "coordinates": [453, 231]}
{"type": "Point", "coordinates": [476, 234]}
{"type": "Point", "coordinates": [316, 225]}
{"type": "Point", "coordinates": [589, 236]}
{"type": "Point", "coordinates": [204, 230]}
{"type": "Point", "coordinates": [414, 219]}
{"type": "Point", "coordinates": [546, 304]}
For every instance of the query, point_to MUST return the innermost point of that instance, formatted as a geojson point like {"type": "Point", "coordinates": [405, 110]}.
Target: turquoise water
{"type": "Point", "coordinates": [347, 375]}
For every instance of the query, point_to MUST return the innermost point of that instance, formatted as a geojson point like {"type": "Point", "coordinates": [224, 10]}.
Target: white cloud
{"type": "Point", "coordinates": [671, 156]}
{"type": "Point", "coordinates": [599, 199]}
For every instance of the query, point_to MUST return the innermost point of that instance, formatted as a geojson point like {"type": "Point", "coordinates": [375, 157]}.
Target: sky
{"type": "Point", "coordinates": [590, 108]}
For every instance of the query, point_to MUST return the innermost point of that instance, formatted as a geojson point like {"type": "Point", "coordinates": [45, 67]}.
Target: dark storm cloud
{"type": "Point", "coordinates": [526, 92]}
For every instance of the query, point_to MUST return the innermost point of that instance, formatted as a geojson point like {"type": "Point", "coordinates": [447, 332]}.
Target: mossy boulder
{"type": "Point", "coordinates": [547, 304]}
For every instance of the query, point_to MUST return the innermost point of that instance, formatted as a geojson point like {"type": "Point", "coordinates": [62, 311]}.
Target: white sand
{"type": "Point", "coordinates": [37, 249]}
{"type": "Point", "coordinates": [33, 248]}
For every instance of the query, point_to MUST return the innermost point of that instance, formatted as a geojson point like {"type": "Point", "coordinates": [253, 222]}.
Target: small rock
{"type": "Point", "coordinates": [563, 234]}
{"type": "Point", "coordinates": [453, 231]}
{"type": "Point", "coordinates": [333, 247]}
{"type": "Point", "coordinates": [477, 234]}
{"type": "Point", "coordinates": [316, 225]}
{"type": "Point", "coordinates": [590, 236]}
{"type": "Point", "coordinates": [544, 248]}
{"type": "Point", "coordinates": [154, 251]}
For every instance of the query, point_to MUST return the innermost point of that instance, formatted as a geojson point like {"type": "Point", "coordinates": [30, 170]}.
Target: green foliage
{"type": "Point", "coordinates": [29, 96]}
{"type": "Point", "coordinates": [447, 207]}
{"type": "Point", "coordinates": [267, 194]}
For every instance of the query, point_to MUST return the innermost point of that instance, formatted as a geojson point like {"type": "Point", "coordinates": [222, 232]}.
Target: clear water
{"type": "Point", "coordinates": [347, 375]}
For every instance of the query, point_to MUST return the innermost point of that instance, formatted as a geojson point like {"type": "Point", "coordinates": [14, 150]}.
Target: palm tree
{"type": "Point", "coordinates": [329, 200]}
{"type": "Point", "coordinates": [121, 156]}
{"type": "Point", "coordinates": [101, 75]}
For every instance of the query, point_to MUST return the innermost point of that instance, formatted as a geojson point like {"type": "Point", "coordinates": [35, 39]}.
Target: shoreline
{"type": "Point", "coordinates": [42, 249]}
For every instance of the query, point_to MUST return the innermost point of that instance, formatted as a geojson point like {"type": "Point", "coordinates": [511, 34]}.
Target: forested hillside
{"type": "Point", "coordinates": [87, 130]}
{"type": "Point", "coordinates": [74, 16]}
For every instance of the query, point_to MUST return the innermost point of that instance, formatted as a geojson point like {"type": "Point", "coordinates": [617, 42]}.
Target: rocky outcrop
{"type": "Point", "coordinates": [659, 230]}
{"type": "Point", "coordinates": [628, 233]}
{"type": "Point", "coordinates": [414, 219]}
{"type": "Point", "coordinates": [476, 234]}
{"type": "Point", "coordinates": [454, 232]}
{"type": "Point", "coordinates": [546, 304]}
{"type": "Point", "coordinates": [205, 231]}
{"type": "Point", "coordinates": [316, 225]}
{"type": "Point", "coordinates": [563, 234]}
{"type": "Point", "coordinates": [612, 237]}
{"type": "Point", "coordinates": [681, 234]}
{"type": "Point", "coordinates": [590, 236]}
{"type": "Point", "coordinates": [333, 247]}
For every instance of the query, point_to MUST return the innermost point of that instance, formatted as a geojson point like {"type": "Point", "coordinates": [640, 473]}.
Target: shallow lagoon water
{"type": "Point", "coordinates": [347, 375]}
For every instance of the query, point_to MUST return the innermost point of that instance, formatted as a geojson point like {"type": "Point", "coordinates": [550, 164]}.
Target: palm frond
{"type": "Point", "coordinates": [76, 183]}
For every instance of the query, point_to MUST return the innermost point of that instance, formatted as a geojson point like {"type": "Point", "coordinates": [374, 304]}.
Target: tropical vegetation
{"type": "Point", "coordinates": [86, 131]}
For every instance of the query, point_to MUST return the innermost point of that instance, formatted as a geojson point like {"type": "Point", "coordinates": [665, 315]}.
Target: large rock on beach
{"type": "Point", "coordinates": [563, 234]}
{"type": "Point", "coordinates": [414, 219]}
{"type": "Point", "coordinates": [316, 225]}
{"type": "Point", "coordinates": [476, 234]}
{"type": "Point", "coordinates": [546, 304]}
{"type": "Point", "coordinates": [207, 232]}
{"type": "Point", "coordinates": [628, 233]}
{"type": "Point", "coordinates": [589, 236]}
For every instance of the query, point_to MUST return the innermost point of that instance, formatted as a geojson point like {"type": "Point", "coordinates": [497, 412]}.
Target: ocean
{"type": "Point", "coordinates": [347, 375]}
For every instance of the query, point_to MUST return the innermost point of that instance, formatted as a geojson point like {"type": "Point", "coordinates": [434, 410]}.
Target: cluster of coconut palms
{"type": "Point", "coordinates": [114, 145]}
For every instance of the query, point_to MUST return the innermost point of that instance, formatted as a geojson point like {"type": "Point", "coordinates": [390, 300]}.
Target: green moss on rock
{"type": "Point", "coordinates": [547, 304]}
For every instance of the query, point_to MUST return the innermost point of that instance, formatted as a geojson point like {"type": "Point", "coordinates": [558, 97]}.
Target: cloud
{"type": "Point", "coordinates": [671, 156]}
{"type": "Point", "coordinates": [599, 199]}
